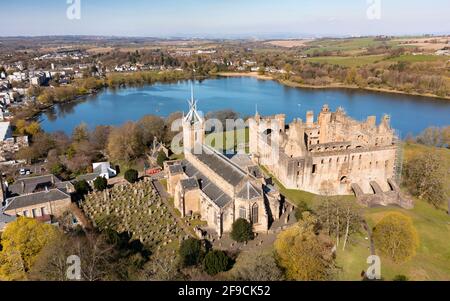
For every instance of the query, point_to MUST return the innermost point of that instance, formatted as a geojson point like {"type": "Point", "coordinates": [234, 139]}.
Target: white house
{"type": "Point", "coordinates": [103, 169]}
{"type": "Point", "coordinates": [5, 131]}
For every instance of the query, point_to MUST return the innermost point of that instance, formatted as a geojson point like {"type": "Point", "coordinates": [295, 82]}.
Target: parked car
{"type": "Point", "coordinates": [24, 171]}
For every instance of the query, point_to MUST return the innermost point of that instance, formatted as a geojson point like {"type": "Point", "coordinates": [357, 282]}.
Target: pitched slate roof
{"type": "Point", "coordinates": [248, 192]}
{"type": "Point", "coordinates": [4, 218]}
{"type": "Point", "coordinates": [221, 165]}
{"type": "Point", "coordinates": [175, 169]}
{"type": "Point", "coordinates": [33, 184]}
{"type": "Point", "coordinates": [217, 195]}
{"type": "Point", "coordinates": [189, 184]}
{"type": "Point", "coordinates": [87, 177]}
{"type": "Point", "coordinates": [35, 199]}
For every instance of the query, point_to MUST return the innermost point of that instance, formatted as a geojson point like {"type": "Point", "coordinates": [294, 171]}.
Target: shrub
{"type": "Point", "coordinates": [400, 278]}
{"type": "Point", "coordinates": [215, 262]}
{"type": "Point", "coordinates": [242, 230]}
{"type": "Point", "coordinates": [190, 252]}
{"type": "Point", "coordinates": [100, 183]}
{"type": "Point", "coordinates": [82, 187]}
{"type": "Point", "coordinates": [257, 266]}
{"type": "Point", "coordinates": [131, 176]}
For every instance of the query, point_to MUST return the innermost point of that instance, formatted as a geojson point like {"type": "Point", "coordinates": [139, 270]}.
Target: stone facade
{"type": "Point", "coordinates": [333, 156]}
{"type": "Point", "coordinates": [211, 185]}
{"type": "Point", "coordinates": [53, 202]}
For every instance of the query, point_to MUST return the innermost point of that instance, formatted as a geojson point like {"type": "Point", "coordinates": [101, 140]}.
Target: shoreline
{"type": "Point", "coordinates": [332, 86]}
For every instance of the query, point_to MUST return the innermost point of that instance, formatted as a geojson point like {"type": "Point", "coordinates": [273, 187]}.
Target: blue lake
{"type": "Point", "coordinates": [409, 114]}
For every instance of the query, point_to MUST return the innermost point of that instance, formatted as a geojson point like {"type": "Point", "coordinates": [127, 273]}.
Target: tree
{"type": "Point", "coordinates": [125, 143]}
{"type": "Point", "coordinates": [190, 252]}
{"type": "Point", "coordinates": [257, 266]}
{"type": "Point", "coordinates": [169, 134]}
{"type": "Point", "coordinates": [161, 158]}
{"type": "Point", "coordinates": [425, 177]}
{"type": "Point", "coordinates": [431, 136]}
{"type": "Point", "coordinates": [396, 237]}
{"type": "Point", "coordinates": [288, 69]}
{"type": "Point", "coordinates": [151, 126]}
{"type": "Point", "coordinates": [22, 241]}
{"type": "Point", "coordinates": [80, 133]}
{"type": "Point", "coordinates": [99, 137]}
{"type": "Point", "coordinates": [100, 260]}
{"type": "Point", "coordinates": [131, 175]}
{"type": "Point", "coordinates": [339, 218]}
{"type": "Point", "coordinates": [303, 253]}
{"type": "Point", "coordinates": [82, 187]}
{"type": "Point", "coordinates": [242, 230]}
{"type": "Point", "coordinates": [215, 262]}
{"type": "Point", "coordinates": [100, 183]}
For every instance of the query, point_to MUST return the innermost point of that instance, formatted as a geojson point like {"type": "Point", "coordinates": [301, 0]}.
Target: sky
{"type": "Point", "coordinates": [222, 18]}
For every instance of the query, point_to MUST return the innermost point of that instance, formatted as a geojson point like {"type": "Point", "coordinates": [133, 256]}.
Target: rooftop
{"type": "Point", "coordinates": [248, 192]}
{"type": "Point", "coordinates": [217, 195]}
{"type": "Point", "coordinates": [33, 184]}
{"type": "Point", "coordinates": [189, 184]}
{"type": "Point", "coordinates": [35, 199]}
{"type": "Point", "coordinates": [221, 165]}
{"type": "Point", "coordinates": [4, 130]}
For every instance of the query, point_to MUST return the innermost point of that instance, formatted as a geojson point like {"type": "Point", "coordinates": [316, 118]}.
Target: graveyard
{"type": "Point", "coordinates": [140, 211]}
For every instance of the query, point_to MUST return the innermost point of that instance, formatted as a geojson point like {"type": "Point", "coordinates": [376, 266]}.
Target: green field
{"type": "Point", "coordinates": [346, 45]}
{"type": "Point", "coordinates": [347, 61]}
{"type": "Point", "coordinates": [416, 58]}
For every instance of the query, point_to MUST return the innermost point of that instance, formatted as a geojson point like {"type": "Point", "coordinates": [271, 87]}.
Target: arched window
{"type": "Point", "coordinates": [242, 213]}
{"type": "Point", "coordinates": [255, 214]}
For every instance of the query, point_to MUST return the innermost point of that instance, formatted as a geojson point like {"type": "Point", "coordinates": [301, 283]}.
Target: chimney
{"type": "Point", "coordinates": [309, 118]}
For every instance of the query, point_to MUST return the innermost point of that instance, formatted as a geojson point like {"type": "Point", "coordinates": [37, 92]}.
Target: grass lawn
{"type": "Point", "coordinates": [297, 196]}
{"type": "Point", "coordinates": [432, 260]}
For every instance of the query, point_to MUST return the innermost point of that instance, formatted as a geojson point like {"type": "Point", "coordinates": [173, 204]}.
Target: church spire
{"type": "Point", "coordinates": [193, 116]}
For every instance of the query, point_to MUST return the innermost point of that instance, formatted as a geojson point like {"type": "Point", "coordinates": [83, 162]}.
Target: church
{"type": "Point", "coordinates": [219, 188]}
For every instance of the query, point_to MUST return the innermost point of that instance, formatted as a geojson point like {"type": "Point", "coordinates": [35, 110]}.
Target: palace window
{"type": "Point", "coordinates": [314, 168]}
{"type": "Point", "coordinates": [42, 211]}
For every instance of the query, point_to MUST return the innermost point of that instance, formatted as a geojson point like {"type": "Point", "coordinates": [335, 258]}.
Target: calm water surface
{"type": "Point", "coordinates": [409, 114]}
